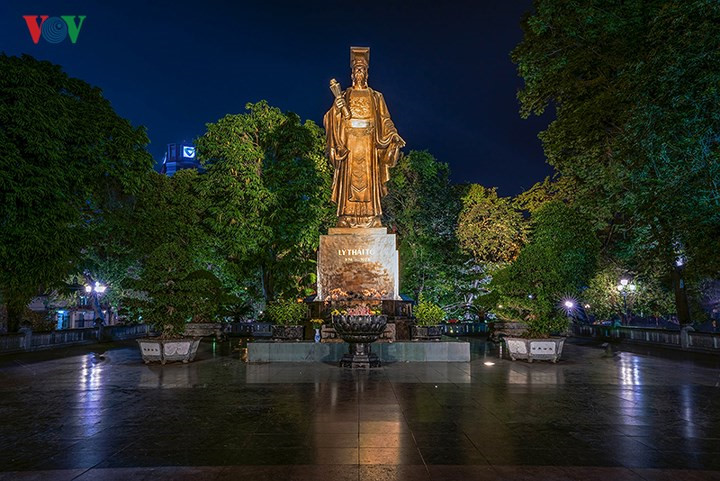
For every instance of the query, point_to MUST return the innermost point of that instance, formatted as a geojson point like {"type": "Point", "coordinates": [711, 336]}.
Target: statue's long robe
{"type": "Point", "coordinates": [361, 152]}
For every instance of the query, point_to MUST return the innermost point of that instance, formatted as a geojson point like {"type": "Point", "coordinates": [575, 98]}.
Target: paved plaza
{"type": "Point", "coordinates": [96, 412]}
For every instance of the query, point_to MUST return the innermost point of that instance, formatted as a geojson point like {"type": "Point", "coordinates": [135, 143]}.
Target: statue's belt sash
{"type": "Point", "coordinates": [360, 123]}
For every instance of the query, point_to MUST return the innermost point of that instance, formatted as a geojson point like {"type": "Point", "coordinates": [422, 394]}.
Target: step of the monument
{"type": "Point", "coordinates": [403, 351]}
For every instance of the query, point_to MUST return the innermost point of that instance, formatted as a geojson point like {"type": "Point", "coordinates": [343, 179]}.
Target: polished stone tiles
{"type": "Point", "coordinates": [72, 414]}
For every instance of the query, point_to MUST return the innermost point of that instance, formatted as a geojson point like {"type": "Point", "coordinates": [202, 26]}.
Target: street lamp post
{"type": "Point", "coordinates": [626, 287]}
{"type": "Point", "coordinates": [95, 291]}
{"type": "Point", "coordinates": [569, 308]}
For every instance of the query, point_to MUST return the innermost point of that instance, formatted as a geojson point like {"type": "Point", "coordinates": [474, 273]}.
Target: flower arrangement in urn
{"type": "Point", "coordinates": [358, 310]}
{"type": "Point", "coordinates": [358, 320]}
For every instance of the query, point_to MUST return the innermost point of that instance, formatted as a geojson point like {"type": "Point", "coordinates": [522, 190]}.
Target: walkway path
{"type": "Point", "coordinates": [105, 416]}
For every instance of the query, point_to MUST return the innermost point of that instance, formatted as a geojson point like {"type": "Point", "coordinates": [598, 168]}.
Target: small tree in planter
{"type": "Point", "coordinates": [287, 316]}
{"type": "Point", "coordinates": [174, 295]}
{"type": "Point", "coordinates": [428, 317]}
{"type": "Point", "coordinates": [210, 305]}
{"type": "Point", "coordinates": [171, 283]}
{"type": "Point", "coordinates": [558, 261]}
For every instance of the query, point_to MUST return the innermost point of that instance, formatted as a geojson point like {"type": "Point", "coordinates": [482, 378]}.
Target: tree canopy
{"type": "Point", "coordinates": [67, 162]}
{"type": "Point", "coordinates": [489, 227]}
{"type": "Point", "coordinates": [634, 86]}
{"type": "Point", "coordinates": [268, 188]}
{"type": "Point", "coordinates": [422, 208]}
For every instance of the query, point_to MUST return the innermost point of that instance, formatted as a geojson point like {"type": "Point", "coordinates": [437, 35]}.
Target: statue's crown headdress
{"type": "Point", "coordinates": [359, 55]}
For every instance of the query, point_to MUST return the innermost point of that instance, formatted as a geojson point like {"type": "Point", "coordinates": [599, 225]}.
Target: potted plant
{"type": "Point", "coordinates": [537, 343]}
{"type": "Point", "coordinates": [172, 283]}
{"type": "Point", "coordinates": [206, 316]}
{"type": "Point", "coordinates": [428, 317]}
{"type": "Point", "coordinates": [537, 289]}
{"type": "Point", "coordinates": [170, 295]}
{"type": "Point", "coordinates": [529, 322]}
{"type": "Point", "coordinates": [286, 316]}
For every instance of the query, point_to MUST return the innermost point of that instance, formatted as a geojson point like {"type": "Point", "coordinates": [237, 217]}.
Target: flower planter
{"type": "Point", "coordinates": [535, 349]}
{"type": "Point", "coordinates": [168, 350]}
{"type": "Point", "coordinates": [359, 332]}
{"type": "Point", "coordinates": [204, 329]}
{"type": "Point", "coordinates": [426, 333]}
{"type": "Point", "coordinates": [287, 333]}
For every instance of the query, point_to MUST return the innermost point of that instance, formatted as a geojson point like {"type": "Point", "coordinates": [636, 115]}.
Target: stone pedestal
{"type": "Point", "coordinates": [360, 357]}
{"type": "Point", "coordinates": [358, 261]}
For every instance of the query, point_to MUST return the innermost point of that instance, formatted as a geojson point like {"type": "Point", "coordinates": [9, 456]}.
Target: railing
{"type": "Point", "coordinates": [685, 338]}
{"type": "Point", "coordinates": [704, 341]}
{"type": "Point", "coordinates": [119, 333]}
{"type": "Point", "coordinates": [12, 342]}
{"type": "Point", "coordinates": [241, 328]}
{"type": "Point", "coordinates": [261, 329]}
{"type": "Point", "coordinates": [64, 336]}
{"type": "Point", "coordinates": [464, 328]}
{"type": "Point", "coordinates": [34, 341]}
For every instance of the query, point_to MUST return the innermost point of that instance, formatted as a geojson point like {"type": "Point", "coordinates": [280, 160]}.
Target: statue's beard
{"type": "Point", "coordinates": [360, 83]}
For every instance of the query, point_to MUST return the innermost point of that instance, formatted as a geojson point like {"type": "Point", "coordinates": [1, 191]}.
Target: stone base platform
{"type": "Point", "coordinates": [387, 352]}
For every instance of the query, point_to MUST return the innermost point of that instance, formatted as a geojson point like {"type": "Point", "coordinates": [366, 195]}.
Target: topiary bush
{"type": "Point", "coordinates": [428, 313]}
{"type": "Point", "coordinates": [286, 312]}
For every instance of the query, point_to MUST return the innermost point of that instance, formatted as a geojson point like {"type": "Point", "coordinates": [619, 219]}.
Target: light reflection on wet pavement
{"type": "Point", "coordinates": [84, 414]}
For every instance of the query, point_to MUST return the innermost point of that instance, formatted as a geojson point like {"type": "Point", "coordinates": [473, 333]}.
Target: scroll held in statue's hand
{"type": "Point", "coordinates": [337, 92]}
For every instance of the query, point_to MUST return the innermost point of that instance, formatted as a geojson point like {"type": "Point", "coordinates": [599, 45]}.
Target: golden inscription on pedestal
{"type": "Point", "coordinates": [362, 261]}
{"type": "Point", "coordinates": [362, 144]}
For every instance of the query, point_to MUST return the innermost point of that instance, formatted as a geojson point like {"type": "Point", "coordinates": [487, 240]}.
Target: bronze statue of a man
{"type": "Point", "coordinates": [362, 145]}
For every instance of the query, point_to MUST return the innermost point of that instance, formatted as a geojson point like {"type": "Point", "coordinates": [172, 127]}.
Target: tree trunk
{"type": "Point", "coordinates": [681, 301]}
{"type": "Point", "coordinates": [14, 316]}
{"type": "Point", "coordinates": [267, 284]}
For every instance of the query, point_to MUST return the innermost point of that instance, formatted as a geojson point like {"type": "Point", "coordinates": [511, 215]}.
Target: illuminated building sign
{"type": "Point", "coordinates": [188, 152]}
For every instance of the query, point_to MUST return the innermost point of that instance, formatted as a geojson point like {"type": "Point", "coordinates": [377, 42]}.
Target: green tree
{"type": "Point", "coordinates": [174, 283]}
{"type": "Point", "coordinates": [651, 297]}
{"type": "Point", "coordinates": [67, 160]}
{"type": "Point", "coordinates": [559, 188]}
{"type": "Point", "coordinates": [268, 187]}
{"type": "Point", "coordinates": [491, 233]}
{"type": "Point", "coordinates": [422, 208]}
{"type": "Point", "coordinates": [558, 261]}
{"type": "Point", "coordinates": [489, 227]}
{"type": "Point", "coordinates": [634, 85]}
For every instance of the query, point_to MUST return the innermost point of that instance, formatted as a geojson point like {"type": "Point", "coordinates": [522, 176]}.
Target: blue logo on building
{"type": "Point", "coordinates": [189, 152]}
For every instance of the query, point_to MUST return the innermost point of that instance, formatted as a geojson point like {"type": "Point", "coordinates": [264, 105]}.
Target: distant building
{"type": "Point", "coordinates": [178, 157]}
{"type": "Point", "coordinates": [71, 314]}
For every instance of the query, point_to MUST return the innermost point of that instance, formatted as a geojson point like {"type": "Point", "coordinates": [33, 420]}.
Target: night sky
{"type": "Point", "coordinates": [443, 67]}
